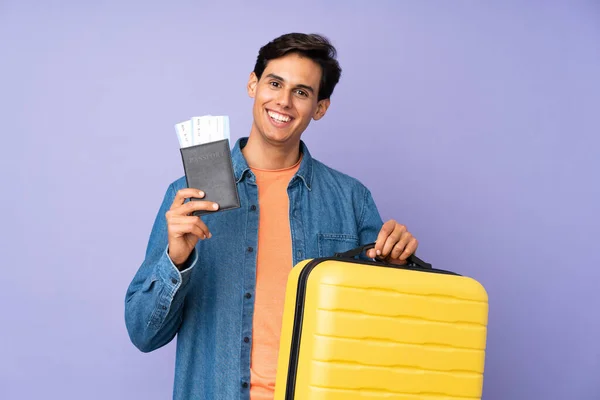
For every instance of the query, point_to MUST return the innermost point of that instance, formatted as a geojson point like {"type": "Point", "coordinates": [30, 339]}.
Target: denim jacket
{"type": "Point", "coordinates": [209, 305]}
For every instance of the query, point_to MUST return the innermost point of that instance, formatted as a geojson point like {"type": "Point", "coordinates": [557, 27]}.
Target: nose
{"type": "Point", "coordinates": [284, 99]}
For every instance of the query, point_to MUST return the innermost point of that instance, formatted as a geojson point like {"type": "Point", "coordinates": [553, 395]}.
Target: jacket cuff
{"type": "Point", "coordinates": [171, 275]}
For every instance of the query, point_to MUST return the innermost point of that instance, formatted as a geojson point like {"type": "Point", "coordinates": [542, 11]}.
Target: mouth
{"type": "Point", "coordinates": [278, 119]}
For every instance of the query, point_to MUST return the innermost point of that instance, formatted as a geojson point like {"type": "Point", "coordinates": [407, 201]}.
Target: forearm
{"type": "Point", "coordinates": [154, 301]}
{"type": "Point", "coordinates": [370, 221]}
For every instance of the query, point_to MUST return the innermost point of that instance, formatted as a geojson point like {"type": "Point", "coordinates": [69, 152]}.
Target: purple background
{"type": "Point", "coordinates": [476, 124]}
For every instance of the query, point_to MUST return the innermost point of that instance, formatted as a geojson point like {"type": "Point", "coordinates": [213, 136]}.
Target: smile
{"type": "Point", "coordinates": [281, 118]}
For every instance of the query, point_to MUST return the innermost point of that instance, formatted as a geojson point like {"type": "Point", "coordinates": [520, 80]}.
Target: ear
{"type": "Point", "coordinates": [252, 82]}
{"type": "Point", "coordinates": [322, 107]}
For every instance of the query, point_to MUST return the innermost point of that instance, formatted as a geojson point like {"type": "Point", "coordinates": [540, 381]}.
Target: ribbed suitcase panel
{"type": "Point", "coordinates": [395, 379]}
{"type": "Point", "coordinates": [399, 303]}
{"type": "Point", "coordinates": [319, 393]}
{"type": "Point", "coordinates": [399, 329]}
{"type": "Point", "coordinates": [405, 281]}
{"type": "Point", "coordinates": [378, 333]}
{"type": "Point", "coordinates": [397, 354]}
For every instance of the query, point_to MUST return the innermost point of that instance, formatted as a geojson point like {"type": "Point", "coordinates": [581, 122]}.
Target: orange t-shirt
{"type": "Point", "coordinates": [274, 262]}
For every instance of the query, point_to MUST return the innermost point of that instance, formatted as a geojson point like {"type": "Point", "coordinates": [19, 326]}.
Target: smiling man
{"type": "Point", "coordinates": [218, 282]}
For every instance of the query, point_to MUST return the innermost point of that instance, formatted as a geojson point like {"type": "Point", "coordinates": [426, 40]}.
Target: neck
{"type": "Point", "coordinates": [263, 155]}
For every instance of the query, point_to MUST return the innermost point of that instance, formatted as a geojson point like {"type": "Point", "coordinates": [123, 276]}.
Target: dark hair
{"type": "Point", "coordinates": [314, 46]}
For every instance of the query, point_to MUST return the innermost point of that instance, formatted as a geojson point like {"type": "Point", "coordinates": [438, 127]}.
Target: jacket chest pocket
{"type": "Point", "coordinates": [331, 243]}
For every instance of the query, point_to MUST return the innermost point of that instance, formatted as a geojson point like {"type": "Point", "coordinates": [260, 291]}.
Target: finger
{"type": "Point", "coordinates": [197, 205]}
{"type": "Point", "coordinates": [410, 249]}
{"type": "Point", "coordinates": [177, 221]}
{"type": "Point", "coordinates": [178, 230]}
{"type": "Point", "coordinates": [371, 253]}
{"type": "Point", "coordinates": [200, 224]}
{"type": "Point", "coordinates": [392, 240]}
{"type": "Point", "coordinates": [389, 244]}
{"type": "Point", "coordinates": [386, 230]}
{"type": "Point", "coordinates": [183, 194]}
{"type": "Point", "coordinates": [401, 245]}
{"type": "Point", "coordinates": [195, 230]}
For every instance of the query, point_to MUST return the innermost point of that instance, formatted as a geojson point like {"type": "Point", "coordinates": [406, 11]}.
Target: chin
{"type": "Point", "coordinates": [277, 136]}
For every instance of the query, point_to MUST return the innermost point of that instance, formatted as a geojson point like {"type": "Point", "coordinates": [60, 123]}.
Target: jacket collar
{"type": "Point", "coordinates": [240, 166]}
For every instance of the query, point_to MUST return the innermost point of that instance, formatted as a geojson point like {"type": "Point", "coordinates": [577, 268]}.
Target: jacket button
{"type": "Point", "coordinates": [244, 385]}
{"type": "Point", "coordinates": [250, 249]}
{"type": "Point", "coordinates": [253, 207]}
{"type": "Point", "coordinates": [246, 339]}
{"type": "Point", "coordinates": [248, 295]}
{"type": "Point", "coordinates": [174, 281]}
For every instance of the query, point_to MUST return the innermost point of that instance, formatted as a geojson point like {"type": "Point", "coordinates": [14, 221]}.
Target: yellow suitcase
{"type": "Point", "coordinates": [355, 329]}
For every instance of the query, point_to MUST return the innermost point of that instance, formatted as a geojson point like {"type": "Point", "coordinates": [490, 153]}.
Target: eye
{"type": "Point", "coordinates": [274, 84]}
{"type": "Point", "coordinates": [301, 93]}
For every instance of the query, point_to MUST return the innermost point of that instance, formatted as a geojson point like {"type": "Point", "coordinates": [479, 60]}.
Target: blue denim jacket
{"type": "Point", "coordinates": [209, 305]}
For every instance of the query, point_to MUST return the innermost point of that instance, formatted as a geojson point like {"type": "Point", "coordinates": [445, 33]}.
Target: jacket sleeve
{"type": "Point", "coordinates": [370, 221]}
{"type": "Point", "coordinates": [155, 297]}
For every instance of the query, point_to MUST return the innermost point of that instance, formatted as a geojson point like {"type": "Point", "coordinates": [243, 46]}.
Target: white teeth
{"type": "Point", "coordinates": [278, 117]}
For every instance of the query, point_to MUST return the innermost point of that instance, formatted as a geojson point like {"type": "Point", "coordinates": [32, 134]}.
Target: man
{"type": "Point", "coordinates": [218, 282]}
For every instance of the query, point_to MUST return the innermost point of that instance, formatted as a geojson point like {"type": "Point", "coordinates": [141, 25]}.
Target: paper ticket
{"type": "Point", "coordinates": [211, 134]}
{"type": "Point", "coordinates": [207, 128]}
{"type": "Point", "coordinates": [222, 123]}
{"type": "Point", "coordinates": [197, 130]}
{"type": "Point", "coordinates": [226, 127]}
{"type": "Point", "coordinates": [184, 133]}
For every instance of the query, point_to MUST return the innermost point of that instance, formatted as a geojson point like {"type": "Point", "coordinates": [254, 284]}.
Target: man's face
{"type": "Point", "coordinates": [285, 99]}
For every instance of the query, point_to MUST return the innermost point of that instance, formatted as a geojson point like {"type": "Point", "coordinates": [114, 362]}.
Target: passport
{"type": "Point", "coordinates": [207, 161]}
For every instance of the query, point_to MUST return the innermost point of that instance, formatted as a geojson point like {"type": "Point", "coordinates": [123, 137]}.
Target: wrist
{"type": "Point", "coordinates": [178, 261]}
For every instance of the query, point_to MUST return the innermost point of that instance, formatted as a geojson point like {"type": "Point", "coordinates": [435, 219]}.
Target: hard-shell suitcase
{"type": "Point", "coordinates": [357, 329]}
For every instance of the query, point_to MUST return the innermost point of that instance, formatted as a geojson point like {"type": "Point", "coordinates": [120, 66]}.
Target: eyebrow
{"type": "Point", "coordinates": [309, 88]}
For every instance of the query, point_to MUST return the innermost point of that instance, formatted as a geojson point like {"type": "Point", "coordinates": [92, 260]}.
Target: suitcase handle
{"type": "Point", "coordinates": [412, 260]}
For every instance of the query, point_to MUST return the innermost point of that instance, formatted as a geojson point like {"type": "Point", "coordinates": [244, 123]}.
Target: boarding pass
{"type": "Point", "coordinates": [201, 130]}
